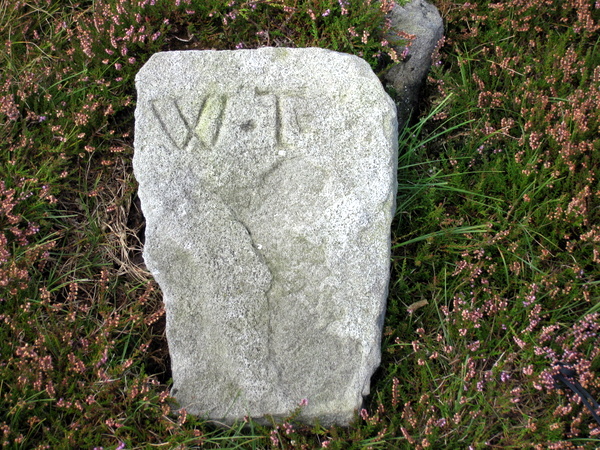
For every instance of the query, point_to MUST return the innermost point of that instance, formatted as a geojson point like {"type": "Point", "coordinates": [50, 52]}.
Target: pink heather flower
{"type": "Point", "coordinates": [528, 370]}
{"type": "Point", "coordinates": [324, 444]}
{"type": "Point", "coordinates": [365, 37]}
{"type": "Point", "coordinates": [325, 14]}
{"type": "Point", "coordinates": [303, 402]}
{"type": "Point", "coordinates": [343, 5]}
{"type": "Point", "coordinates": [474, 346]}
{"type": "Point", "coordinates": [364, 414]}
{"type": "Point", "coordinates": [274, 438]}
{"type": "Point", "coordinates": [521, 343]}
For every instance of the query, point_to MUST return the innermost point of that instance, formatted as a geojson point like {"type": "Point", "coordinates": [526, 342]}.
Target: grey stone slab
{"type": "Point", "coordinates": [268, 179]}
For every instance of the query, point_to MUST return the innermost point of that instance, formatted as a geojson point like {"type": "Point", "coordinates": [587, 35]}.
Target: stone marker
{"type": "Point", "coordinates": [268, 179]}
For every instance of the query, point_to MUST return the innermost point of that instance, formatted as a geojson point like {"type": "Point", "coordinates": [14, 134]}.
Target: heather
{"type": "Point", "coordinates": [495, 258]}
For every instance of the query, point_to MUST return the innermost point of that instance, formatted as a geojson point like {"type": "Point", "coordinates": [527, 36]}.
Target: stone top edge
{"type": "Point", "coordinates": [265, 49]}
{"type": "Point", "coordinates": [271, 53]}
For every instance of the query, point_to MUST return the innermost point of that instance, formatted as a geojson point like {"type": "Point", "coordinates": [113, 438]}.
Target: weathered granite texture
{"type": "Point", "coordinates": [422, 20]}
{"type": "Point", "coordinates": [267, 179]}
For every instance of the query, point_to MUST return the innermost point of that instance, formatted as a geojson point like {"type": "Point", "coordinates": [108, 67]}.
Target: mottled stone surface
{"type": "Point", "coordinates": [268, 179]}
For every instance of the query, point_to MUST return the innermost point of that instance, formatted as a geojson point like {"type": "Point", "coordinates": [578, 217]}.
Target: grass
{"type": "Point", "coordinates": [495, 243]}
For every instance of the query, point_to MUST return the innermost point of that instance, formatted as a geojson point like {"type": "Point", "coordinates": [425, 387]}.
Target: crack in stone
{"type": "Point", "coordinates": [267, 292]}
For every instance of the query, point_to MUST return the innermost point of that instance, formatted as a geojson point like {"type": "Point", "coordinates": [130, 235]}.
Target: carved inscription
{"type": "Point", "coordinates": [210, 119]}
{"type": "Point", "coordinates": [269, 119]}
